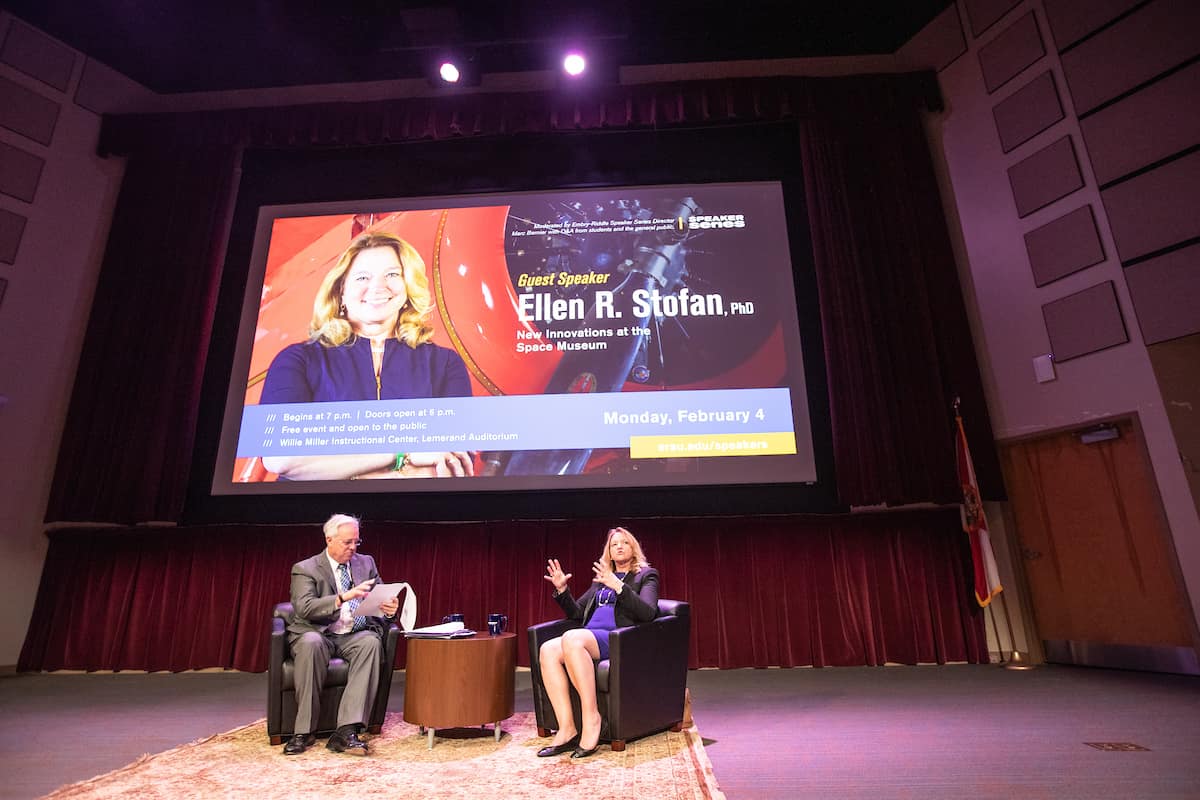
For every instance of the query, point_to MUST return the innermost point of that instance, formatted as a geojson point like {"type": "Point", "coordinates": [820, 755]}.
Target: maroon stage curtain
{"type": "Point", "coordinates": [896, 336]}
{"type": "Point", "coordinates": [837, 590]}
{"type": "Point", "coordinates": [127, 443]}
{"type": "Point", "coordinates": [640, 106]}
{"type": "Point", "coordinates": [898, 347]}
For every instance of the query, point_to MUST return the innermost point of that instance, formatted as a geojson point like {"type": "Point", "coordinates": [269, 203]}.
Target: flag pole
{"type": "Point", "coordinates": [1016, 660]}
{"type": "Point", "coordinates": [974, 521]}
{"type": "Point", "coordinates": [991, 614]}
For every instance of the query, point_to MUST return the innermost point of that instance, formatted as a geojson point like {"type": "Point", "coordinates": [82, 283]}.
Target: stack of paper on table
{"type": "Point", "coordinates": [447, 630]}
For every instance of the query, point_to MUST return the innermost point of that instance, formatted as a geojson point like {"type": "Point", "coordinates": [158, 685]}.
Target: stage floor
{"type": "Point", "coordinates": [954, 731]}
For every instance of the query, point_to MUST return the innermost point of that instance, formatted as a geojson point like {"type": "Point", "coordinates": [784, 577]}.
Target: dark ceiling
{"type": "Point", "coordinates": [185, 45]}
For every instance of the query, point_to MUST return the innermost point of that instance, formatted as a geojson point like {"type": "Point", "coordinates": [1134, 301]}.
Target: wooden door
{"type": "Point", "coordinates": [1104, 583]}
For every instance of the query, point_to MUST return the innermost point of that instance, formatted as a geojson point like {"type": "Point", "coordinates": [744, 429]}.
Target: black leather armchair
{"type": "Point", "coordinates": [281, 689]}
{"type": "Point", "coordinates": [639, 688]}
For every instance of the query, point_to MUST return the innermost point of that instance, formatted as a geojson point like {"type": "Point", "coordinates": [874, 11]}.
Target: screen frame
{"type": "Point", "coordinates": [274, 177]}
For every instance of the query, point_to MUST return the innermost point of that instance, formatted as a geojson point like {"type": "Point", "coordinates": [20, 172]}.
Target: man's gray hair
{"type": "Point", "coordinates": [338, 520]}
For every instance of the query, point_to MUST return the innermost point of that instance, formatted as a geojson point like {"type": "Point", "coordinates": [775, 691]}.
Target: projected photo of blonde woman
{"type": "Point", "coordinates": [369, 339]}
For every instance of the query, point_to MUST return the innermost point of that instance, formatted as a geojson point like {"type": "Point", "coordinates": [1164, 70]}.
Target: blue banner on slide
{"type": "Point", "coordinates": [531, 422]}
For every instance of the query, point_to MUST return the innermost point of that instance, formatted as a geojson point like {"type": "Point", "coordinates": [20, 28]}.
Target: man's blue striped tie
{"type": "Point", "coordinates": [360, 623]}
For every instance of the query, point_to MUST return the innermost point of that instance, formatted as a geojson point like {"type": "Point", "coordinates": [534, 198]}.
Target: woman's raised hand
{"type": "Point", "coordinates": [604, 575]}
{"type": "Point", "coordinates": [555, 575]}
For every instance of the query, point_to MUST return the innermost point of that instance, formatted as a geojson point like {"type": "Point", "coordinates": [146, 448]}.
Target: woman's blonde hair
{"type": "Point", "coordinates": [330, 327]}
{"type": "Point", "coordinates": [639, 558]}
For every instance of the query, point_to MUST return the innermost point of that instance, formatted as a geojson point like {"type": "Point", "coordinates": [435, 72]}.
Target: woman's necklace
{"type": "Point", "coordinates": [377, 349]}
{"type": "Point", "coordinates": [607, 596]}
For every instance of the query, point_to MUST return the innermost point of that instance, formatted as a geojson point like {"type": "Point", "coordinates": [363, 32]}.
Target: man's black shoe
{"type": "Point", "coordinates": [347, 743]}
{"type": "Point", "coordinates": [298, 744]}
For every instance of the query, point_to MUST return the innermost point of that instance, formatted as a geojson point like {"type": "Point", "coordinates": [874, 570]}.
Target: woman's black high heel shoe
{"type": "Point", "coordinates": [558, 749]}
{"type": "Point", "coordinates": [581, 753]}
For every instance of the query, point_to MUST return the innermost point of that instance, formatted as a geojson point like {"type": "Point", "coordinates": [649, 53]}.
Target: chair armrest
{"type": "Point", "coordinates": [384, 691]}
{"type": "Point", "coordinates": [646, 646]}
{"type": "Point", "coordinates": [390, 639]}
{"type": "Point", "coordinates": [279, 646]}
{"type": "Point", "coordinates": [673, 608]}
{"type": "Point", "coordinates": [545, 631]}
{"type": "Point", "coordinates": [647, 674]}
{"type": "Point", "coordinates": [276, 654]}
{"type": "Point", "coordinates": [279, 638]}
{"type": "Point", "coordinates": [538, 635]}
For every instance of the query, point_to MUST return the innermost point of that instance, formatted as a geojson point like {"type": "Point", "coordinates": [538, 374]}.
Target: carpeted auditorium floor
{"type": "Point", "coordinates": [953, 731]}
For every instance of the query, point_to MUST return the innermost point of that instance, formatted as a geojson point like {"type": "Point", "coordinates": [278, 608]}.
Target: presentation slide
{"type": "Point", "coordinates": [620, 337]}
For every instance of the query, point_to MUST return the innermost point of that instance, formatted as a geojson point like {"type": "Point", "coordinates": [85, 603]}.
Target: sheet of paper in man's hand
{"type": "Point", "coordinates": [380, 593]}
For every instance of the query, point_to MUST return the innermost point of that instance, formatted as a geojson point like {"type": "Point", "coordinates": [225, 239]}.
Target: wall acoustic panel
{"type": "Point", "coordinates": [1148, 42]}
{"type": "Point", "coordinates": [1159, 121]}
{"type": "Point", "coordinates": [1071, 20]}
{"type": "Point", "coordinates": [1045, 176]}
{"type": "Point", "coordinates": [19, 172]}
{"type": "Point", "coordinates": [1084, 322]}
{"type": "Point", "coordinates": [12, 227]}
{"type": "Point", "coordinates": [1004, 57]}
{"type": "Point", "coordinates": [1156, 209]}
{"type": "Point", "coordinates": [37, 55]}
{"type": "Point", "coordinates": [103, 90]}
{"type": "Point", "coordinates": [1064, 246]}
{"type": "Point", "coordinates": [984, 13]}
{"type": "Point", "coordinates": [1166, 295]}
{"type": "Point", "coordinates": [26, 112]}
{"type": "Point", "coordinates": [1027, 112]}
{"type": "Point", "coordinates": [936, 45]}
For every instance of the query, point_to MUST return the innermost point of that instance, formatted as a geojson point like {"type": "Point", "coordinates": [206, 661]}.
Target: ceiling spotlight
{"type": "Point", "coordinates": [574, 64]}
{"type": "Point", "coordinates": [452, 67]}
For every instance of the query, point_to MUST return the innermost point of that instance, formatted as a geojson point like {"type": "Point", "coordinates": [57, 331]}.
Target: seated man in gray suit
{"type": "Point", "coordinates": [325, 591]}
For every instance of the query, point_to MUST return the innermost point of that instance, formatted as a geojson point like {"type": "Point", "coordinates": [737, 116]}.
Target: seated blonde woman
{"type": "Point", "coordinates": [624, 591]}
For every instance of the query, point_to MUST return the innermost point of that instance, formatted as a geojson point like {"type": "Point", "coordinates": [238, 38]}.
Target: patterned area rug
{"type": "Point", "coordinates": [471, 764]}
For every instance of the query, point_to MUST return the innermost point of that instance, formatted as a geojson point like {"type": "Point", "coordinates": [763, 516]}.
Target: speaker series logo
{"type": "Point", "coordinates": [709, 221]}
